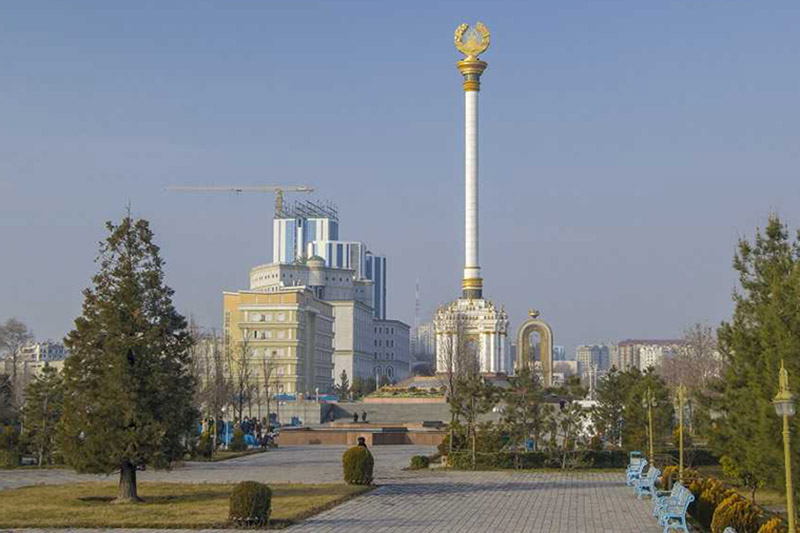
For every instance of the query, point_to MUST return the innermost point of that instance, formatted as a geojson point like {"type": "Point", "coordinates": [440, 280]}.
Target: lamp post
{"type": "Point", "coordinates": [785, 407]}
{"type": "Point", "coordinates": [278, 407]}
{"type": "Point", "coordinates": [649, 402]}
{"type": "Point", "coordinates": [681, 395]}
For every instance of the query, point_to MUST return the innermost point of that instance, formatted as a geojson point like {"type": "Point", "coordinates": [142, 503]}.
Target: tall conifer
{"type": "Point", "coordinates": [764, 330]}
{"type": "Point", "coordinates": [128, 385]}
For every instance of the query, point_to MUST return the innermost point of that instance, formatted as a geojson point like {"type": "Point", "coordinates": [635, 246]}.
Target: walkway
{"type": "Point", "coordinates": [497, 502]}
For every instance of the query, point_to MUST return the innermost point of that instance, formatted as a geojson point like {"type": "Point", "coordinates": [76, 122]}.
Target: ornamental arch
{"type": "Point", "coordinates": [525, 355]}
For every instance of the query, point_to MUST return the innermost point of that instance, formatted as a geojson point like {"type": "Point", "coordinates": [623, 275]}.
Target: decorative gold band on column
{"type": "Point", "coordinates": [472, 85]}
{"type": "Point", "coordinates": [471, 69]}
{"type": "Point", "coordinates": [472, 283]}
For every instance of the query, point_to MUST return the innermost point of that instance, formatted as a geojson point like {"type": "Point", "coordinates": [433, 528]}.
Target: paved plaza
{"type": "Point", "coordinates": [419, 501]}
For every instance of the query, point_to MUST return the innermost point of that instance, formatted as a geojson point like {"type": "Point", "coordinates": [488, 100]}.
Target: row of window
{"type": "Point", "coordinates": [389, 343]}
{"type": "Point", "coordinates": [385, 329]}
{"type": "Point", "coordinates": [263, 334]}
{"type": "Point", "coordinates": [389, 356]}
{"type": "Point", "coordinates": [267, 317]}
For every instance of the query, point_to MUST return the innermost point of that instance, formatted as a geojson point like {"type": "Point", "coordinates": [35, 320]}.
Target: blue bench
{"type": "Point", "coordinates": [662, 497]}
{"type": "Point", "coordinates": [672, 514]}
{"type": "Point", "coordinates": [647, 484]}
{"type": "Point", "coordinates": [635, 469]}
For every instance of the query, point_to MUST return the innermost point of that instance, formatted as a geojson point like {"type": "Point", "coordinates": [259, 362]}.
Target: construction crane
{"type": "Point", "coordinates": [277, 189]}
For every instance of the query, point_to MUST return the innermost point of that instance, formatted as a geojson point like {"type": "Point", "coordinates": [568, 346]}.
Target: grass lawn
{"type": "Point", "coordinates": [767, 497]}
{"type": "Point", "coordinates": [166, 505]}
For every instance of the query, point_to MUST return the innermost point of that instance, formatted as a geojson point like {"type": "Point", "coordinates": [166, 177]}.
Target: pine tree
{"type": "Point", "coordinates": [128, 384]}
{"type": "Point", "coordinates": [525, 410]}
{"type": "Point", "coordinates": [44, 398]}
{"type": "Point", "coordinates": [343, 389]}
{"type": "Point", "coordinates": [764, 330]}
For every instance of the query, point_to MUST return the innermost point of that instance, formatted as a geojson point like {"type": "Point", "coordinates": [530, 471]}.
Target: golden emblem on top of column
{"type": "Point", "coordinates": [476, 42]}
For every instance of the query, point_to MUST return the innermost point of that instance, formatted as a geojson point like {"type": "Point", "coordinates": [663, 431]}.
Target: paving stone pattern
{"type": "Point", "coordinates": [498, 502]}
{"type": "Point", "coordinates": [416, 501]}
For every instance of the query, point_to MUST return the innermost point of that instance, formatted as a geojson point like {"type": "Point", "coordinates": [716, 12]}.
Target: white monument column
{"type": "Point", "coordinates": [472, 269]}
{"type": "Point", "coordinates": [471, 42]}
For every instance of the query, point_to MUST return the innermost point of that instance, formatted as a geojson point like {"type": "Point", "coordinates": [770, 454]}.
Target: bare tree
{"type": "Point", "coordinates": [457, 361]}
{"type": "Point", "coordinates": [268, 382]}
{"type": "Point", "coordinates": [14, 334]}
{"type": "Point", "coordinates": [696, 365]}
{"type": "Point", "coordinates": [240, 366]}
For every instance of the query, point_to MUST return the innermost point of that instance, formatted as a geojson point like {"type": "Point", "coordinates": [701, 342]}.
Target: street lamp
{"type": "Point", "coordinates": [785, 407]}
{"type": "Point", "coordinates": [278, 407]}
{"type": "Point", "coordinates": [649, 402]}
{"type": "Point", "coordinates": [681, 392]}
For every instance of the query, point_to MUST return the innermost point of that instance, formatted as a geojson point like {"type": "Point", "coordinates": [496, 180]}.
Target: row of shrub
{"type": "Point", "coordinates": [716, 507]}
{"type": "Point", "coordinates": [463, 460]}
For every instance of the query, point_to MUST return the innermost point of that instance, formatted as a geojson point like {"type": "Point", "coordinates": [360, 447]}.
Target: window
{"type": "Point", "coordinates": [389, 372]}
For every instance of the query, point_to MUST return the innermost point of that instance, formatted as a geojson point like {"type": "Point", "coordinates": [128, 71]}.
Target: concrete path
{"type": "Point", "coordinates": [497, 502]}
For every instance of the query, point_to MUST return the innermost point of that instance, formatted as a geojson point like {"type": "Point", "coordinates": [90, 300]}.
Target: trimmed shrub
{"type": "Point", "coordinates": [238, 443]}
{"type": "Point", "coordinates": [708, 494]}
{"type": "Point", "coordinates": [738, 513]}
{"type": "Point", "coordinates": [668, 477]}
{"type": "Point", "coordinates": [358, 464]}
{"type": "Point", "coordinates": [774, 525]}
{"type": "Point", "coordinates": [420, 462]}
{"type": "Point", "coordinates": [250, 504]}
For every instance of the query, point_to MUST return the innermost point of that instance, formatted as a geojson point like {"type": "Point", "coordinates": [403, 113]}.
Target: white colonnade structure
{"type": "Point", "coordinates": [471, 331]}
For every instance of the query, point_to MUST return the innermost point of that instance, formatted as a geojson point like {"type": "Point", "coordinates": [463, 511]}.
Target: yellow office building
{"type": "Point", "coordinates": [289, 329]}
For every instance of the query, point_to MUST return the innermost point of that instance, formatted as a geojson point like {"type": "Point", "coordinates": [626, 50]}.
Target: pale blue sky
{"type": "Point", "coordinates": [625, 146]}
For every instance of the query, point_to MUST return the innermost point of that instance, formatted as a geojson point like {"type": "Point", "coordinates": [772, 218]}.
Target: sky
{"type": "Point", "coordinates": [625, 147]}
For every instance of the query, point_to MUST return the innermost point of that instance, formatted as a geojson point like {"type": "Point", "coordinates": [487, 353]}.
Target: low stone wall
{"type": "Point", "coordinates": [402, 401]}
{"type": "Point", "coordinates": [349, 436]}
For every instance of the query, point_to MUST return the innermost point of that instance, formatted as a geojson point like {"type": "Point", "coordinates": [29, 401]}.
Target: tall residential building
{"type": "Point", "coordinates": [645, 353]}
{"type": "Point", "coordinates": [375, 270]}
{"type": "Point", "coordinates": [300, 223]}
{"type": "Point", "coordinates": [559, 353]}
{"type": "Point", "coordinates": [391, 346]}
{"type": "Point", "coordinates": [592, 356]}
{"type": "Point", "coordinates": [307, 229]}
{"type": "Point", "coordinates": [289, 329]}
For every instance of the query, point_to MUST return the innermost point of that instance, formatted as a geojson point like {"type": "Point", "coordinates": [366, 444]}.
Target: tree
{"type": "Point", "coordinates": [570, 422]}
{"type": "Point", "coordinates": [524, 411]}
{"type": "Point", "coordinates": [44, 398]}
{"type": "Point", "coordinates": [764, 330]}
{"type": "Point", "coordinates": [475, 398]}
{"type": "Point", "coordinates": [612, 395]}
{"type": "Point", "coordinates": [128, 387]}
{"type": "Point", "coordinates": [635, 413]}
{"type": "Point", "coordinates": [696, 366]}
{"type": "Point", "coordinates": [343, 388]}
{"type": "Point", "coordinates": [240, 357]}
{"type": "Point", "coordinates": [14, 334]}
{"type": "Point", "coordinates": [268, 376]}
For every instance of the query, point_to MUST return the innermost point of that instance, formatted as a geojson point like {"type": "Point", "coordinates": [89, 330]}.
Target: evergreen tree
{"type": "Point", "coordinates": [764, 330]}
{"type": "Point", "coordinates": [636, 421]}
{"type": "Point", "coordinates": [128, 386]}
{"type": "Point", "coordinates": [343, 388]}
{"type": "Point", "coordinates": [44, 399]}
{"type": "Point", "coordinates": [612, 394]}
{"type": "Point", "coordinates": [525, 411]}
